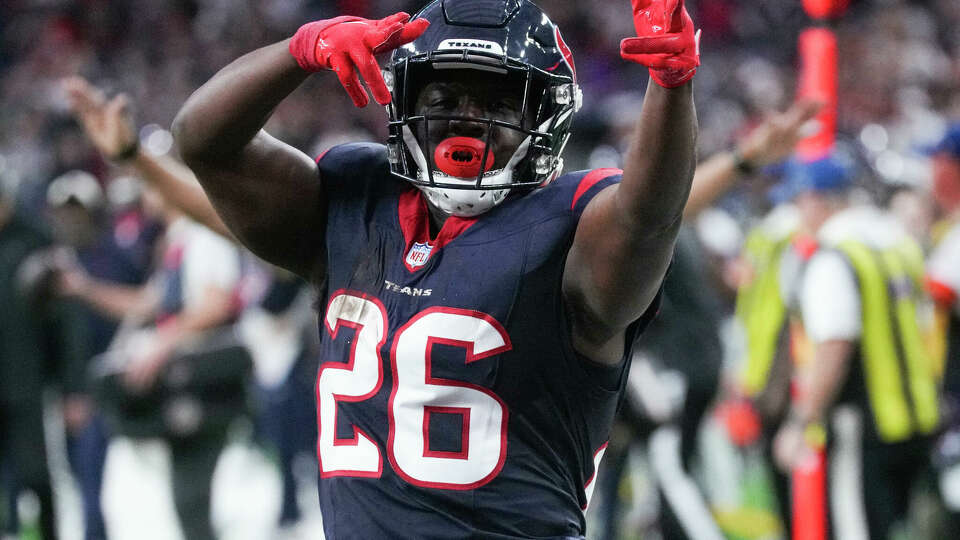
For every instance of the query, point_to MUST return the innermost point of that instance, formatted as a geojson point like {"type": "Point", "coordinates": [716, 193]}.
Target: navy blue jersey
{"type": "Point", "coordinates": [451, 403]}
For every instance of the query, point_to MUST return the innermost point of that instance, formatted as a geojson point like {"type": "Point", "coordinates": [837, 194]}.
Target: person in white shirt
{"type": "Point", "coordinates": [191, 294]}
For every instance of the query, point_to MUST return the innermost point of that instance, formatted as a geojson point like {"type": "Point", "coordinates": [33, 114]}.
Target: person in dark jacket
{"type": "Point", "coordinates": [40, 339]}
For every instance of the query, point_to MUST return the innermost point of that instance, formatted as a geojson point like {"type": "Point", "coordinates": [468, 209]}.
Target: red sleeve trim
{"type": "Point", "coordinates": [942, 294]}
{"type": "Point", "coordinates": [321, 155]}
{"type": "Point", "coordinates": [590, 180]}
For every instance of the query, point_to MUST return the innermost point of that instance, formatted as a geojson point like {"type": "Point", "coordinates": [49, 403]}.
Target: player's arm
{"type": "Point", "coordinates": [268, 192]}
{"type": "Point", "coordinates": [770, 142]}
{"type": "Point", "coordinates": [625, 238]}
{"type": "Point", "coordinates": [265, 191]}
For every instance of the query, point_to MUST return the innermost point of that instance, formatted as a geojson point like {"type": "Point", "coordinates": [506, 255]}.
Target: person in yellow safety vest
{"type": "Point", "coordinates": [870, 382]}
{"type": "Point", "coordinates": [761, 307]}
{"type": "Point", "coordinates": [943, 282]}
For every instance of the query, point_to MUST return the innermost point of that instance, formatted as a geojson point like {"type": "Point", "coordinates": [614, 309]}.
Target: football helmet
{"type": "Point", "coordinates": [511, 39]}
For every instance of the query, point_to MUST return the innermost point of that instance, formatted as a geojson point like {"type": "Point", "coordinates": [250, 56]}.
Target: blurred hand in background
{"type": "Point", "coordinates": [107, 123]}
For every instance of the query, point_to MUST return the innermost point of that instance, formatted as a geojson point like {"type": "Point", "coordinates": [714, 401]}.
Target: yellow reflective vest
{"type": "Point", "coordinates": [897, 368]}
{"type": "Point", "coordinates": [760, 307]}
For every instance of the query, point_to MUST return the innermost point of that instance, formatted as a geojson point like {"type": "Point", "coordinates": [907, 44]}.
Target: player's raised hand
{"type": "Point", "coordinates": [108, 124]}
{"type": "Point", "coordinates": [348, 45]}
{"type": "Point", "coordinates": [666, 41]}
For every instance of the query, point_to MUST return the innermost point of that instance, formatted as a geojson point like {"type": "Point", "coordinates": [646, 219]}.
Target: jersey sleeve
{"type": "Point", "coordinates": [349, 168]}
{"type": "Point", "coordinates": [587, 184]}
{"type": "Point", "coordinates": [830, 299]}
{"type": "Point", "coordinates": [613, 378]}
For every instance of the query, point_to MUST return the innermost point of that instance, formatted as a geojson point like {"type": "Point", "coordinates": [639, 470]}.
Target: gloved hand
{"type": "Point", "coordinates": [347, 45]}
{"type": "Point", "coordinates": [666, 41]}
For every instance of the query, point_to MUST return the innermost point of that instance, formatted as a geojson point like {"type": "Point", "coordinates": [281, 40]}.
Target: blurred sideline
{"type": "Point", "coordinates": [246, 492]}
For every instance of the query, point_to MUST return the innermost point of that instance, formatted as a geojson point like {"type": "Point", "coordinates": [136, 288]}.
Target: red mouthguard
{"type": "Point", "coordinates": [462, 157]}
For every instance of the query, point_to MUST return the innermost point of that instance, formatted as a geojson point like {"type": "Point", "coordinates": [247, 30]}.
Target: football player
{"type": "Point", "coordinates": [478, 305]}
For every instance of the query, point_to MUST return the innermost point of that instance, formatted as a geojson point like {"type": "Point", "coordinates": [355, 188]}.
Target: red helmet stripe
{"type": "Point", "coordinates": [567, 55]}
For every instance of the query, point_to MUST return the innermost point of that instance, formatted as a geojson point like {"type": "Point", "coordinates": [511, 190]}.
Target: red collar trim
{"type": "Point", "coordinates": [805, 245]}
{"type": "Point", "coordinates": [415, 224]}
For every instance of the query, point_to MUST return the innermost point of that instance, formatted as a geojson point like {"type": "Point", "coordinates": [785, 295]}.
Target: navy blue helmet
{"type": "Point", "coordinates": [513, 39]}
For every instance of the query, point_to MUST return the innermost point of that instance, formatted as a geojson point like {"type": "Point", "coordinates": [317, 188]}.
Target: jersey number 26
{"type": "Point", "coordinates": [414, 397]}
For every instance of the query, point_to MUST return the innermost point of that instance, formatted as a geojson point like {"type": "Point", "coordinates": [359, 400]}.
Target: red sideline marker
{"type": "Point", "coordinates": [818, 80]}
{"type": "Point", "coordinates": [809, 497]}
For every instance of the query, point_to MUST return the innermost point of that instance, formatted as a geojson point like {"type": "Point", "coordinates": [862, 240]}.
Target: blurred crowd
{"type": "Point", "coordinates": [898, 67]}
{"type": "Point", "coordinates": [137, 275]}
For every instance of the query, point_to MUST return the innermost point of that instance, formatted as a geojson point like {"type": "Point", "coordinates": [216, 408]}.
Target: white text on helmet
{"type": "Point", "coordinates": [475, 44]}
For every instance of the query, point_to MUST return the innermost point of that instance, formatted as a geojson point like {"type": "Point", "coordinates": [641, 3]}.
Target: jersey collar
{"type": "Point", "coordinates": [415, 225]}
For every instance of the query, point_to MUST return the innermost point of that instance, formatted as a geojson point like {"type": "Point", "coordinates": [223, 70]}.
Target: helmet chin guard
{"type": "Point", "coordinates": [508, 40]}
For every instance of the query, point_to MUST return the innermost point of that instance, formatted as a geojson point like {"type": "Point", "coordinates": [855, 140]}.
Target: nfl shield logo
{"type": "Point", "coordinates": [419, 254]}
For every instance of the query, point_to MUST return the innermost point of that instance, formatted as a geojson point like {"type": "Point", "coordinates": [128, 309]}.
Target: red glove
{"type": "Point", "coordinates": [347, 45]}
{"type": "Point", "coordinates": [666, 42]}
